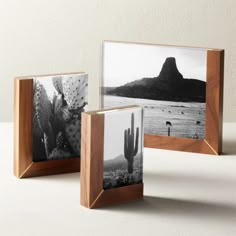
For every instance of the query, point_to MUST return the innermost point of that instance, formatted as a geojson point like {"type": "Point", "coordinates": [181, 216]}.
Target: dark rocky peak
{"type": "Point", "coordinates": [169, 71]}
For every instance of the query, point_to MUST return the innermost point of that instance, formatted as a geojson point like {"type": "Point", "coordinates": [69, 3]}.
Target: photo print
{"type": "Point", "coordinates": [57, 105]}
{"type": "Point", "coordinates": [123, 148]}
{"type": "Point", "coordinates": [169, 82]}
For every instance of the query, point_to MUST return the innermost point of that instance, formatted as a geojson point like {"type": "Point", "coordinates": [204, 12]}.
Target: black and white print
{"type": "Point", "coordinates": [123, 148]}
{"type": "Point", "coordinates": [169, 82]}
{"type": "Point", "coordinates": [57, 105]}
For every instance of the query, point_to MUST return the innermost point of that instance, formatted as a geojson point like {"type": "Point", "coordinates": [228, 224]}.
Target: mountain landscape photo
{"type": "Point", "coordinates": [174, 105]}
{"type": "Point", "coordinates": [169, 85]}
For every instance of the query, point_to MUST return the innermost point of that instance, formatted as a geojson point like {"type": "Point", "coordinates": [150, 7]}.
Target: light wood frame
{"type": "Point", "coordinates": [92, 194]}
{"type": "Point", "coordinates": [212, 143]}
{"type": "Point", "coordinates": [23, 107]}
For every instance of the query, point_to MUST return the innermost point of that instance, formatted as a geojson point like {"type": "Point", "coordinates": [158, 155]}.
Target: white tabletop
{"type": "Point", "coordinates": [185, 194]}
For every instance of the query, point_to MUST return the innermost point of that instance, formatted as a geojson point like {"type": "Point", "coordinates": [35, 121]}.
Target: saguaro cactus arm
{"type": "Point", "coordinates": [132, 124]}
{"type": "Point", "coordinates": [125, 142]}
{"type": "Point", "coordinates": [57, 83]}
{"type": "Point", "coordinates": [136, 141]}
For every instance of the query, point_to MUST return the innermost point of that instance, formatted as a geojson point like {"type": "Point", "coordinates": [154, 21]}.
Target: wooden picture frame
{"type": "Point", "coordinates": [212, 141]}
{"type": "Point", "coordinates": [92, 193]}
{"type": "Point", "coordinates": [24, 166]}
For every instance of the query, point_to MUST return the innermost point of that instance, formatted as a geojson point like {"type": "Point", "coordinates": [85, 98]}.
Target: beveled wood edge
{"type": "Point", "coordinates": [92, 144]}
{"type": "Point", "coordinates": [24, 173]}
{"type": "Point", "coordinates": [16, 130]}
{"type": "Point", "coordinates": [119, 195]}
{"type": "Point", "coordinates": [212, 149]}
{"type": "Point", "coordinates": [85, 171]}
{"type": "Point", "coordinates": [97, 155]}
{"type": "Point", "coordinates": [23, 77]}
{"type": "Point", "coordinates": [52, 167]}
{"type": "Point", "coordinates": [23, 165]}
{"type": "Point", "coordinates": [214, 100]}
{"type": "Point", "coordinates": [22, 126]}
{"type": "Point", "coordinates": [93, 205]}
{"type": "Point", "coordinates": [178, 144]}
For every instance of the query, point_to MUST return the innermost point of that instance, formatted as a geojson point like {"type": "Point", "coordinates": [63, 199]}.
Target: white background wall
{"type": "Point", "coordinates": [41, 37]}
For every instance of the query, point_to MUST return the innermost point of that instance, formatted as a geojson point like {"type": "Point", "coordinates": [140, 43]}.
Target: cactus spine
{"type": "Point", "coordinates": [131, 145]}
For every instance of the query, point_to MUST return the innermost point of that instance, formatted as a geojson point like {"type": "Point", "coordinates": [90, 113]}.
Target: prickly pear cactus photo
{"type": "Point", "coordinates": [123, 148]}
{"type": "Point", "coordinates": [58, 102]}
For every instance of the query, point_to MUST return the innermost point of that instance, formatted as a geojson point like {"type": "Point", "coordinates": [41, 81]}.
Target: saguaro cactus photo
{"type": "Point", "coordinates": [123, 148]}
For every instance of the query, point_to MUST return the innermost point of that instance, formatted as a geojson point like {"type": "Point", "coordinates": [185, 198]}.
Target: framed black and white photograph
{"type": "Point", "coordinates": [170, 82]}
{"type": "Point", "coordinates": [111, 156]}
{"type": "Point", "coordinates": [57, 106]}
{"type": "Point", "coordinates": [48, 123]}
{"type": "Point", "coordinates": [123, 148]}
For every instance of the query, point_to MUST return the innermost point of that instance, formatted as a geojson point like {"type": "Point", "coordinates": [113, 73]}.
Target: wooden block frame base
{"type": "Point", "coordinates": [92, 194]}
{"type": "Point", "coordinates": [117, 196]}
{"type": "Point", "coordinates": [23, 165]}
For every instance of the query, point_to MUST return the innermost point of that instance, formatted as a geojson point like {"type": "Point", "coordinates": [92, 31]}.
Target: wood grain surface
{"type": "Point", "coordinates": [119, 195]}
{"type": "Point", "coordinates": [214, 99]}
{"type": "Point", "coordinates": [92, 194]}
{"type": "Point", "coordinates": [23, 126]}
{"type": "Point", "coordinates": [92, 141]}
{"type": "Point", "coordinates": [212, 144]}
{"type": "Point", "coordinates": [23, 164]}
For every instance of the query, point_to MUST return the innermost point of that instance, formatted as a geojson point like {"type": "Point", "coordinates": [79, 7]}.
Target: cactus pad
{"type": "Point", "coordinates": [66, 114]}
{"type": "Point", "coordinates": [57, 103]}
{"type": "Point", "coordinates": [42, 105]}
{"type": "Point", "coordinates": [75, 91]}
{"type": "Point", "coordinates": [61, 113]}
{"type": "Point", "coordinates": [57, 83]}
{"type": "Point", "coordinates": [72, 131]}
{"type": "Point", "coordinates": [59, 140]}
